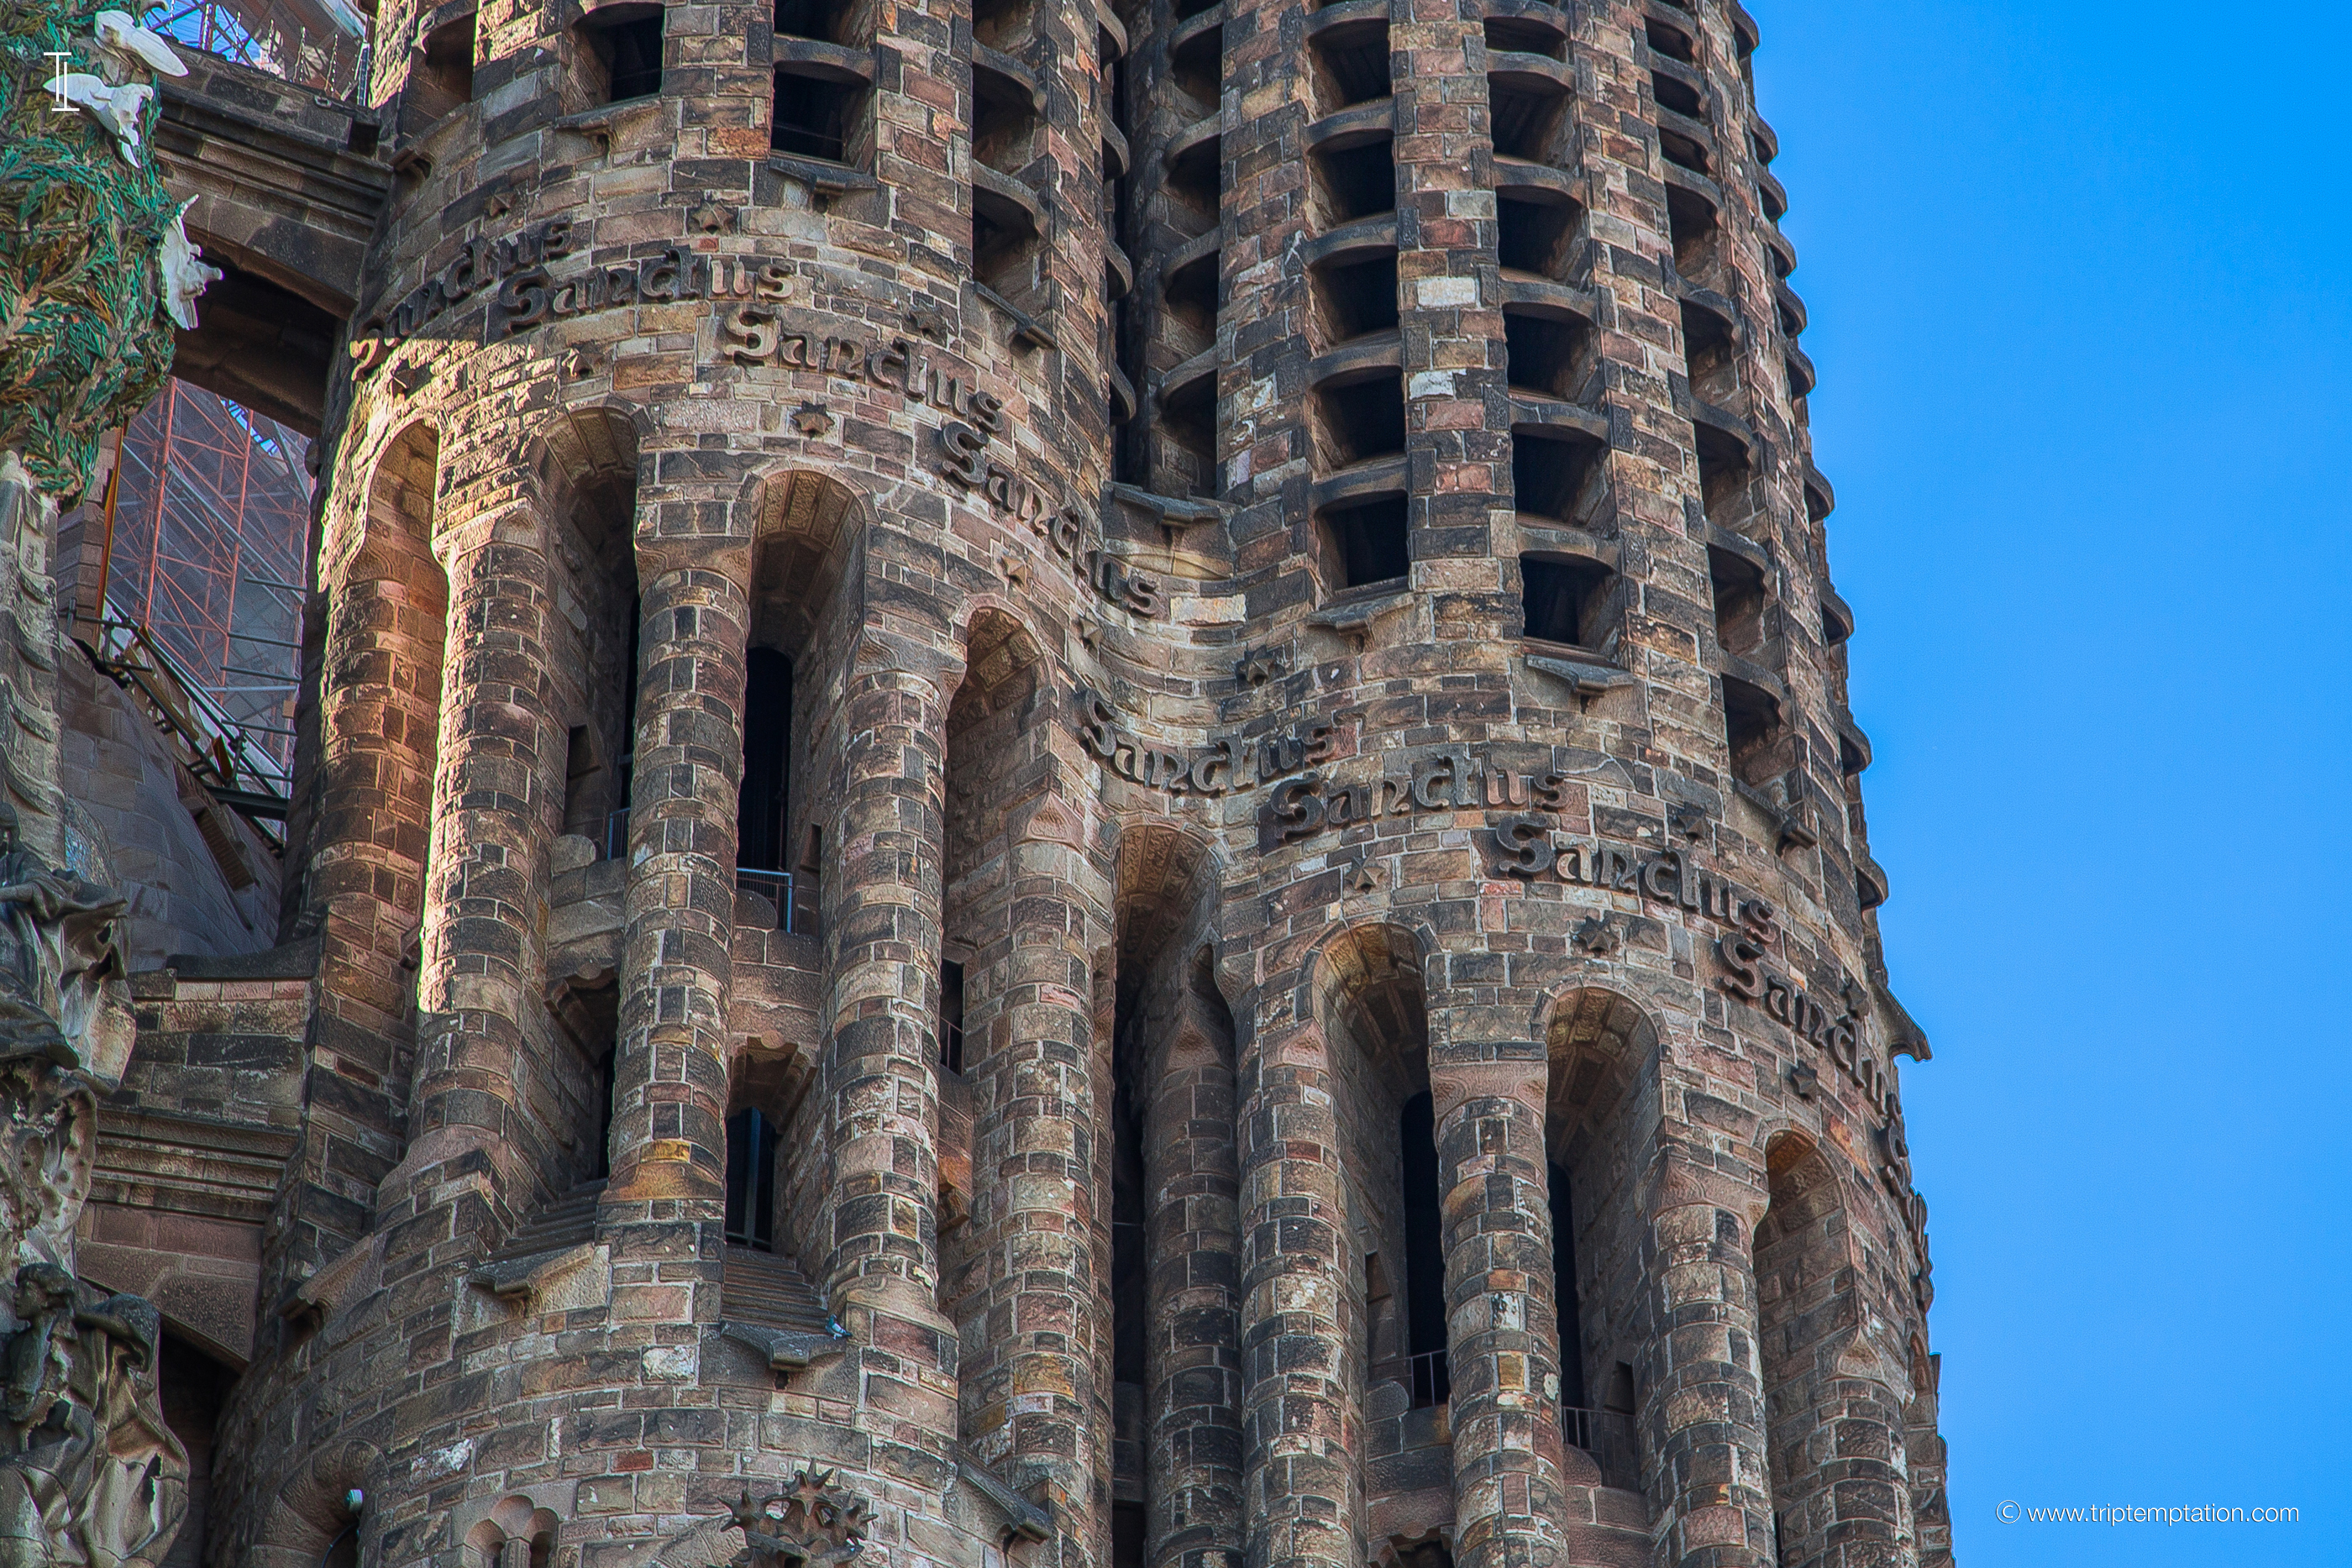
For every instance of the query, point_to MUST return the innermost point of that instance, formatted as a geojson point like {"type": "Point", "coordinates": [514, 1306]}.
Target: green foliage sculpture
{"type": "Point", "coordinates": [94, 267]}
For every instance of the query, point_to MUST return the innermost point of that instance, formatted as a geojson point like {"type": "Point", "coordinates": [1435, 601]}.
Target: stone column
{"type": "Point", "coordinates": [1855, 1509]}
{"type": "Point", "coordinates": [880, 1220]}
{"type": "Point", "coordinates": [1701, 1392]}
{"type": "Point", "coordinates": [1302, 1423]}
{"type": "Point", "coordinates": [1191, 1182]}
{"type": "Point", "coordinates": [669, 1073]}
{"type": "Point", "coordinates": [482, 971]}
{"type": "Point", "coordinates": [1040, 1414]}
{"type": "Point", "coordinates": [1502, 1339]}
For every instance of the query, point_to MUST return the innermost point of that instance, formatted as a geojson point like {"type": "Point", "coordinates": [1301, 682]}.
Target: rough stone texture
{"type": "Point", "coordinates": [1240, 849]}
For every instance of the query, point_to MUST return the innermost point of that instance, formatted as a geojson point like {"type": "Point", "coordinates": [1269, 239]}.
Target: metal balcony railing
{"type": "Point", "coordinates": [779, 889]}
{"type": "Point", "coordinates": [1608, 1437]}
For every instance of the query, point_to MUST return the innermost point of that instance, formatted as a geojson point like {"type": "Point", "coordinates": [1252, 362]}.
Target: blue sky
{"type": "Point", "coordinates": [2081, 308]}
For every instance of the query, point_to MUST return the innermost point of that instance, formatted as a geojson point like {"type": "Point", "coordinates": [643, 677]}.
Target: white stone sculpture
{"type": "Point", "coordinates": [185, 275]}
{"type": "Point", "coordinates": [118, 109]}
{"type": "Point", "coordinates": [134, 46]}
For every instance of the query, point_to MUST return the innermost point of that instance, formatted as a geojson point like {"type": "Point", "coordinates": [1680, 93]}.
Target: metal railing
{"type": "Point", "coordinates": [779, 889]}
{"type": "Point", "coordinates": [324, 47]}
{"type": "Point", "coordinates": [1608, 1437]}
{"type": "Point", "coordinates": [221, 749]}
{"type": "Point", "coordinates": [1430, 1377]}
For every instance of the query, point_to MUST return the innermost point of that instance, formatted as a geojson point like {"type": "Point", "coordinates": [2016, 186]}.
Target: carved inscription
{"type": "Point", "coordinates": [1448, 779]}
{"type": "Point", "coordinates": [758, 335]}
{"type": "Point", "coordinates": [1227, 764]}
{"type": "Point", "coordinates": [1063, 524]}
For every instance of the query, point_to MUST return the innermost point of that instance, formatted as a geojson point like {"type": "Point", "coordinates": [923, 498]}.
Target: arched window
{"type": "Point", "coordinates": [1563, 1284]}
{"type": "Point", "coordinates": [1425, 1253]}
{"type": "Point", "coordinates": [763, 806]}
{"type": "Point", "coordinates": [752, 1181]}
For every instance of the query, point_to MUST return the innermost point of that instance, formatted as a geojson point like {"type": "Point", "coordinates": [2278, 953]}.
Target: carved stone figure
{"type": "Point", "coordinates": [90, 1476]}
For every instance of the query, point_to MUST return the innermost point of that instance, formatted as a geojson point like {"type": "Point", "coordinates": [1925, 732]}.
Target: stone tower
{"type": "Point", "coordinates": [1076, 793]}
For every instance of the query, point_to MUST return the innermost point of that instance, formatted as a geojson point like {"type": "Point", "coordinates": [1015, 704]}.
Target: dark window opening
{"type": "Point", "coordinates": [1366, 544]}
{"type": "Point", "coordinates": [1533, 237]}
{"type": "Point", "coordinates": [752, 1181]}
{"type": "Point", "coordinates": [1004, 121]}
{"type": "Point", "coordinates": [1197, 65]}
{"type": "Point", "coordinates": [1191, 294]}
{"type": "Point", "coordinates": [1621, 1389]}
{"type": "Point", "coordinates": [1193, 175]}
{"type": "Point", "coordinates": [607, 1084]}
{"type": "Point", "coordinates": [442, 78]}
{"type": "Point", "coordinates": [616, 820]}
{"type": "Point", "coordinates": [580, 771]}
{"type": "Point", "coordinates": [816, 116]}
{"type": "Point", "coordinates": [1723, 474]}
{"type": "Point", "coordinates": [1563, 595]}
{"type": "Point", "coordinates": [1673, 93]}
{"type": "Point", "coordinates": [1129, 1269]}
{"type": "Point", "coordinates": [823, 20]}
{"type": "Point", "coordinates": [1362, 418]}
{"type": "Point", "coordinates": [1003, 249]}
{"type": "Point", "coordinates": [1712, 355]}
{"type": "Point", "coordinates": [1751, 721]}
{"type": "Point", "coordinates": [952, 1014]}
{"type": "Point", "coordinates": [1690, 223]}
{"type": "Point", "coordinates": [765, 796]}
{"type": "Point", "coordinates": [1684, 151]}
{"type": "Point", "coordinates": [1523, 123]}
{"type": "Point", "coordinates": [1001, 24]}
{"type": "Point", "coordinates": [1526, 36]}
{"type": "Point", "coordinates": [193, 1388]}
{"type": "Point", "coordinates": [1187, 414]}
{"type": "Point", "coordinates": [1351, 65]}
{"type": "Point", "coordinates": [1129, 1532]}
{"type": "Point", "coordinates": [1740, 599]}
{"type": "Point", "coordinates": [1549, 475]}
{"type": "Point", "coordinates": [1563, 1285]}
{"type": "Point", "coordinates": [1544, 354]}
{"type": "Point", "coordinates": [631, 49]}
{"type": "Point", "coordinates": [1425, 1253]}
{"type": "Point", "coordinates": [1357, 297]}
{"type": "Point", "coordinates": [1356, 182]}
{"type": "Point", "coordinates": [1671, 41]}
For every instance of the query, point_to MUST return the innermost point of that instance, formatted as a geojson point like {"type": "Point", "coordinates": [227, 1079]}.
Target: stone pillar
{"type": "Point", "coordinates": [1035, 1409]}
{"type": "Point", "coordinates": [669, 1073]}
{"type": "Point", "coordinates": [1855, 1510]}
{"type": "Point", "coordinates": [482, 971]}
{"type": "Point", "coordinates": [1193, 1245]}
{"type": "Point", "coordinates": [1302, 1420]}
{"type": "Point", "coordinates": [880, 1226]}
{"type": "Point", "coordinates": [1502, 1320]}
{"type": "Point", "coordinates": [362, 880]}
{"type": "Point", "coordinates": [1702, 1395]}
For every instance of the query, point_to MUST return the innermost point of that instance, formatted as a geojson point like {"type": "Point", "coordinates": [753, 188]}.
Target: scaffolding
{"type": "Point", "coordinates": [203, 572]}
{"type": "Point", "coordinates": [320, 44]}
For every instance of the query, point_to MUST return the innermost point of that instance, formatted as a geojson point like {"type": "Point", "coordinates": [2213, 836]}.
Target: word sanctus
{"type": "Point", "coordinates": [756, 335]}
{"type": "Point", "coordinates": [1664, 876]}
{"type": "Point", "coordinates": [1228, 763]}
{"type": "Point", "coordinates": [1064, 526]}
{"type": "Point", "coordinates": [1451, 779]}
{"type": "Point", "coordinates": [482, 264]}
{"type": "Point", "coordinates": [535, 295]}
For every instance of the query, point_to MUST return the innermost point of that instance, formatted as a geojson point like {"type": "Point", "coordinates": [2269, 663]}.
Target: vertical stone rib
{"type": "Point", "coordinates": [1194, 1485]}
{"type": "Point", "coordinates": [669, 1077]}
{"type": "Point", "coordinates": [1503, 1341]}
{"type": "Point", "coordinates": [1702, 1393]}
{"type": "Point", "coordinates": [483, 967]}
{"type": "Point", "coordinates": [1042, 1413]}
{"type": "Point", "coordinates": [880, 1222]}
{"type": "Point", "coordinates": [1301, 1420]}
